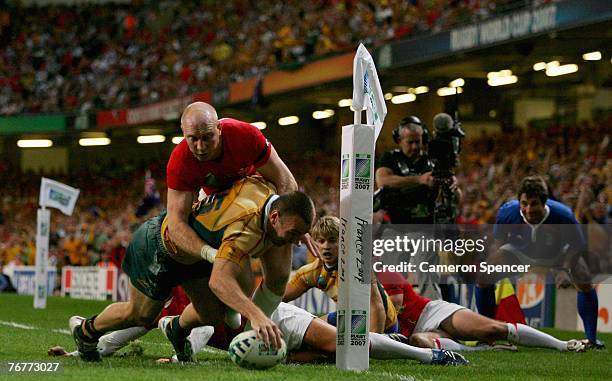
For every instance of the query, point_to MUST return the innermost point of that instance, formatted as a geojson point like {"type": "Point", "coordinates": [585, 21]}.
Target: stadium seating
{"type": "Point", "coordinates": [127, 55]}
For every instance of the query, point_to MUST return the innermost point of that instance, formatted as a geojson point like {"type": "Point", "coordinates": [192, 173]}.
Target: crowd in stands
{"type": "Point", "coordinates": [93, 57]}
{"type": "Point", "coordinates": [108, 210]}
{"type": "Point", "coordinates": [576, 161]}
{"type": "Point", "coordinates": [106, 56]}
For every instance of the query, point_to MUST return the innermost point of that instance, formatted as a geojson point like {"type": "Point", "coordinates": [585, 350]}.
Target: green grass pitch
{"type": "Point", "coordinates": [48, 327]}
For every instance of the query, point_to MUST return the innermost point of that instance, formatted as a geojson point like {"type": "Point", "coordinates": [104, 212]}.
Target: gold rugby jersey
{"type": "Point", "coordinates": [316, 275]}
{"type": "Point", "coordinates": [231, 221]}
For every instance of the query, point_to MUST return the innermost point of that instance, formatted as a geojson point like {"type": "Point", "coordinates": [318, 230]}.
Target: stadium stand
{"type": "Point", "coordinates": [128, 55]}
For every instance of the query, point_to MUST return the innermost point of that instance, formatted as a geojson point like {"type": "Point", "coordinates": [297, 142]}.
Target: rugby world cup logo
{"type": "Point", "coordinates": [345, 171]}
{"type": "Point", "coordinates": [358, 322]}
{"type": "Point", "coordinates": [359, 327]}
{"type": "Point", "coordinates": [61, 198]}
{"type": "Point", "coordinates": [362, 166]}
{"type": "Point", "coordinates": [363, 173]}
{"type": "Point", "coordinates": [341, 327]}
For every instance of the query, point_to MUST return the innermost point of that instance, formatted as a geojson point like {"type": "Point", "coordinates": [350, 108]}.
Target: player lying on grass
{"type": "Point", "coordinates": [437, 324]}
{"type": "Point", "coordinates": [323, 274]}
{"type": "Point", "coordinates": [308, 339]}
{"type": "Point", "coordinates": [243, 222]}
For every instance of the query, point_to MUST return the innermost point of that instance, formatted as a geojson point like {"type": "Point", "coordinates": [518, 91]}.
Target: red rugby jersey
{"type": "Point", "coordinates": [413, 304]}
{"type": "Point", "coordinates": [244, 150]}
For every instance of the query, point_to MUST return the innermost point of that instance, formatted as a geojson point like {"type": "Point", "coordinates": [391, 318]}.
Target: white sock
{"type": "Point", "coordinates": [199, 337]}
{"type": "Point", "coordinates": [266, 300]}
{"type": "Point", "coordinates": [384, 348]}
{"type": "Point", "coordinates": [452, 345]}
{"type": "Point", "coordinates": [113, 341]}
{"type": "Point", "coordinates": [530, 337]}
{"type": "Point", "coordinates": [232, 319]}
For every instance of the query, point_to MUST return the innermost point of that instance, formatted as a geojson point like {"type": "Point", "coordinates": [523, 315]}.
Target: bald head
{"type": "Point", "coordinates": [201, 130]}
{"type": "Point", "coordinates": [198, 113]}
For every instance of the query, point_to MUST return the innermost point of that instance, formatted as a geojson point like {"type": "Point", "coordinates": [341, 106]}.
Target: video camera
{"type": "Point", "coordinates": [443, 152]}
{"type": "Point", "coordinates": [445, 147]}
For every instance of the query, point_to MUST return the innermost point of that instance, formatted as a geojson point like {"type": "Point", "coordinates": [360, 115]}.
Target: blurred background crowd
{"type": "Point", "coordinates": [96, 57]}
{"type": "Point", "coordinates": [576, 161]}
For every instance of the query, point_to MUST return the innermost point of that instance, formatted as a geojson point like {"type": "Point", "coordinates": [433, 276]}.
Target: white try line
{"type": "Point", "coordinates": [395, 376]}
{"type": "Point", "coordinates": [62, 330]}
{"type": "Point", "coordinates": [16, 325]}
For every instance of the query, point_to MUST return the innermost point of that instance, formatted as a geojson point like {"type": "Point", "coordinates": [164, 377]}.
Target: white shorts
{"type": "Point", "coordinates": [434, 314]}
{"type": "Point", "coordinates": [293, 323]}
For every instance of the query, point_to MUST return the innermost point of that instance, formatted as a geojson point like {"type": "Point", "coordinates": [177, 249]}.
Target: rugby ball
{"type": "Point", "coordinates": [249, 352]}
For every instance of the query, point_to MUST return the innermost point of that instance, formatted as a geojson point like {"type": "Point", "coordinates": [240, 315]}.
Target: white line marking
{"type": "Point", "coordinates": [211, 350]}
{"type": "Point", "coordinates": [16, 325]}
{"type": "Point", "coordinates": [394, 376]}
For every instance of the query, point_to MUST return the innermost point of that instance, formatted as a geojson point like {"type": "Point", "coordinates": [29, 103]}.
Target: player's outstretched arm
{"type": "Point", "coordinates": [224, 283]}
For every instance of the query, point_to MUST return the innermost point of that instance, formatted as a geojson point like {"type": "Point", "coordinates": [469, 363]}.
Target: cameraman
{"type": "Point", "coordinates": [410, 190]}
{"type": "Point", "coordinates": [405, 174]}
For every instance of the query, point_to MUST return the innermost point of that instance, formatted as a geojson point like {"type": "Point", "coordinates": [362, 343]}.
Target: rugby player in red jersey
{"type": "Point", "coordinates": [212, 156]}
{"type": "Point", "coordinates": [437, 324]}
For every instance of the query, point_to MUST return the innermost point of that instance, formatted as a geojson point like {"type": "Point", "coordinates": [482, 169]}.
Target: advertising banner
{"type": "Point", "coordinates": [23, 279]}
{"type": "Point", "coordinates": [89, 282]}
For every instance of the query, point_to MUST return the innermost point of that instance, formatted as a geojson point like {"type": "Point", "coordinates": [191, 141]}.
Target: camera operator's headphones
{"type": "Point", "coordinates": [410, 120]}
